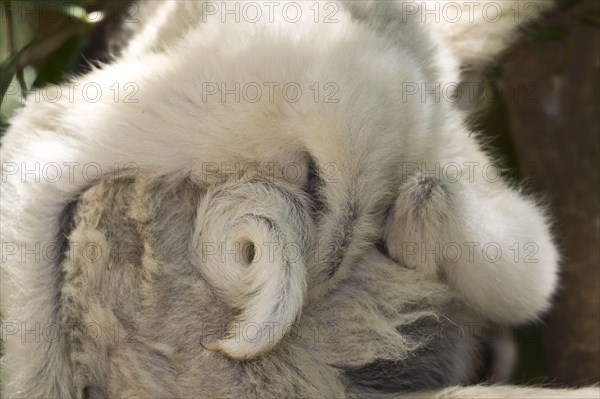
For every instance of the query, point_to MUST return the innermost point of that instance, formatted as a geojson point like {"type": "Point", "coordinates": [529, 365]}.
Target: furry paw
{"type": "Point", "coordinates": [492, 245]}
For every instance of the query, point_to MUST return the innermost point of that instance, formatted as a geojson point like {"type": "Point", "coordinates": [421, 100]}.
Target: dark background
{"type": "Point", "coordinates": [552, 135]}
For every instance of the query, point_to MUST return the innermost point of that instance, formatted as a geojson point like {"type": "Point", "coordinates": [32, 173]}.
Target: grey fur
{"type": "Point", "coordinates": [159, 304]}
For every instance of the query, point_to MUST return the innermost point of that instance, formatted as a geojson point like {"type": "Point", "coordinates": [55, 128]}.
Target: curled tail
{"type": "Point", "coordinates": [251, 243]}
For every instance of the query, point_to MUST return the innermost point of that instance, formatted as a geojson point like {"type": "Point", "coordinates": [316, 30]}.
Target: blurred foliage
{"type": "Point", "coordinates": [42, 42]}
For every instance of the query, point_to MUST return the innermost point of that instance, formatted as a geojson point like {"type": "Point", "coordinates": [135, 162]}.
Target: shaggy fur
{"type": "Point", "coordinates": [237, 284]}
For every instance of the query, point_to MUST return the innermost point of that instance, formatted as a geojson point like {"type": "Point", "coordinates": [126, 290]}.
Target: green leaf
{"type": "Point", "coordinates": [8, 70]}
{"type": "Point", "coordinates": [60, 62]}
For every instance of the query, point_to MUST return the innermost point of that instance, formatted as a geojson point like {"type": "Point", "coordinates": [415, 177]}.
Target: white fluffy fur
{"type": "Point", "coordinates": [369, 135]}
{"type": "Point", "coordinates": [508, 392]}
{"type": "Point", "coordinates": [236, 218]}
